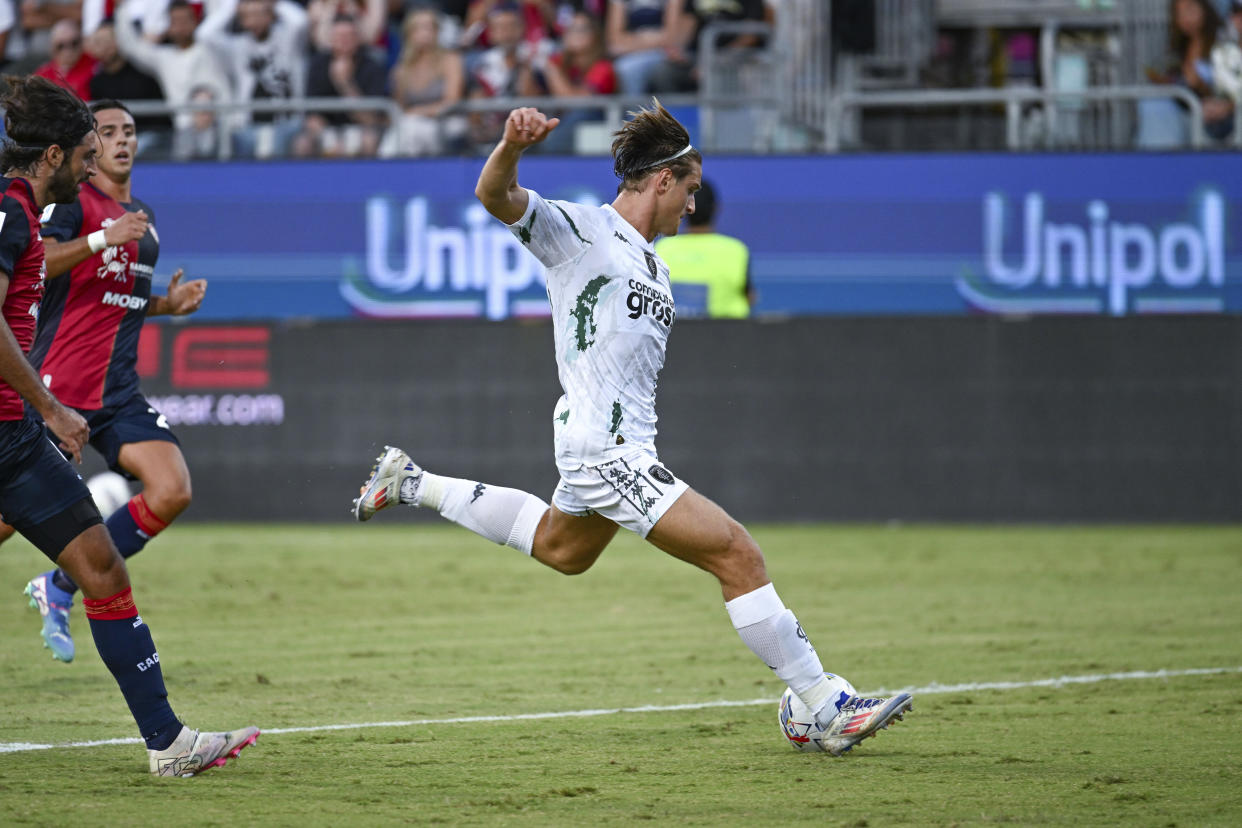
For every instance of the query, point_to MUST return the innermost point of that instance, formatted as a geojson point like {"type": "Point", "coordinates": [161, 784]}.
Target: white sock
{"type": "Point", "coordinates": [506, 516]}
{"type": "Point", "coordinates": [773, 633]}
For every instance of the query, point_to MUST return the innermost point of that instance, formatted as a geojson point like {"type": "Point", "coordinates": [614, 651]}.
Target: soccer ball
{"type": "Point", "coordinates": [110, 492]}
{"type": "Point", "coordinates": [797, 723]}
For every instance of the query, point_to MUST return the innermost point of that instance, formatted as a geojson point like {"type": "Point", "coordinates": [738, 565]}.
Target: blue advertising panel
{"type": "Point", "coordinates": [931, 234]}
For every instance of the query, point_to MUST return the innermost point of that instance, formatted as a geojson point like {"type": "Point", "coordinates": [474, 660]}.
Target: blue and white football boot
{"type": "Point", "coordinates": [53, 603]}
{"type": "Point", "coordinates": [860, 718]}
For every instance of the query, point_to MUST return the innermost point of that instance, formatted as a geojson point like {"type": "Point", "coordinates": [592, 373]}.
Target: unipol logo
{"type": "Point", "coordinates": [1096, 262]}
{"type": "Point", "coordinates": [416, 268]}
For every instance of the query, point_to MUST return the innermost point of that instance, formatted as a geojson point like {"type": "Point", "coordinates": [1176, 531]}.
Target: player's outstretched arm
{"type": "Point", "coordinates": [498, 188]}
{"type": "Point", "coordinates": [63, 256]}
{"type": "Point", "coordinates": [17, 371]}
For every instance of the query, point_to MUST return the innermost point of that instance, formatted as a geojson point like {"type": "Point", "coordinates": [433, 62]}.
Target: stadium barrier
{"type": "Point", "coordinates": [736, 112]}
{"type": "Point", "coordinates": [881, 234]}
{"type": "Point", "coordinates": [900, 418]}
{"type": "Point", "coordinates": [1054, 104]}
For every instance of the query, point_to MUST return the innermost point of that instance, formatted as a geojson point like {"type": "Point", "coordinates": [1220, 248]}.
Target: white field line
{"type": "Point", "coordinates": [930, 689]}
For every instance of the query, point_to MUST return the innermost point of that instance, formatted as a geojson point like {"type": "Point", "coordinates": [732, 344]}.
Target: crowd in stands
{"type": "Point", "coordinates": [1204, 56]}
{"type": "Point", "coordinates": [425, 56]}
{"type": "Point", "coordinates": [413, 62]}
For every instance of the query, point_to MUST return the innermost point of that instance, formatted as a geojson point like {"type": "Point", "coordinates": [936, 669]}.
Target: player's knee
{"type": "Point", "coordinates": [573, 565]}
{"type": "Point", "coordinates": [181, 497]}
{"type": "Point", "coordinates": [567, 560]}
{"type": "Point", "coordinates": [170, 500]}
{"type": "Point", "coordinates": [742, 557]}
{"type": "Point", "coordinates": [568, 556]}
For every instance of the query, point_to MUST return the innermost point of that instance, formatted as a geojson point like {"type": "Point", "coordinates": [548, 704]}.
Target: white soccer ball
{"type": "Point", "coordinates": [110, 492]}
{"type": "Point", "coordinates": [797, 723]}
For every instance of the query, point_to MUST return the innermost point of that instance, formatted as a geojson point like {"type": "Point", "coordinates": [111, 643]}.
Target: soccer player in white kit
{"type": "Point", "coordinates": [612, 309]}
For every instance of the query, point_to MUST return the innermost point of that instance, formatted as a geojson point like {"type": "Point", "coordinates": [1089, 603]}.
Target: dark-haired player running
{"type": "Point", "coordinates": [101, 254]}
{"type": "Point", "coordinates": [49, 154]}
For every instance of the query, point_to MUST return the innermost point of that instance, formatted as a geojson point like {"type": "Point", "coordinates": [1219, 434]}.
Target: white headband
{"type": "Point", "coordinates": [672, 157]}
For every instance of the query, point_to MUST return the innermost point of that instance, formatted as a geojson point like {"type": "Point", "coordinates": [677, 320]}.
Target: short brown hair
{"type": "Point", "coordinates": [647, 143]}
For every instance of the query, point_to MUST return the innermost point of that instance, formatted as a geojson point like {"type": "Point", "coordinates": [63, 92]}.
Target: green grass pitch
{"type": "Point", "coordinates": [292, 627]}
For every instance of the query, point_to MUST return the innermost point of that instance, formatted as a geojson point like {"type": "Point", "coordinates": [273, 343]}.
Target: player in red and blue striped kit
{"type": "Point", "coordinates": [86, 349]}
{"type": "Point", "coordinates": [48, 155]}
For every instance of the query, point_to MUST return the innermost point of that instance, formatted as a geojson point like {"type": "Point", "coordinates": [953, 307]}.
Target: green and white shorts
{"type": "Point", "coordinates": [633, 491]}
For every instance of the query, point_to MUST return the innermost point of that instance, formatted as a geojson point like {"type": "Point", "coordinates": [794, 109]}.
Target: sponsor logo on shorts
{"type": "Point", "coordinates": [630, 485]}
{"type": "Point", "coordinates": [663, 475]}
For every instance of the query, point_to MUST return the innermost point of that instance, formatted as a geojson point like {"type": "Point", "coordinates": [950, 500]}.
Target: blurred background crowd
{"type": "Point", "coordinates": [390, 78]}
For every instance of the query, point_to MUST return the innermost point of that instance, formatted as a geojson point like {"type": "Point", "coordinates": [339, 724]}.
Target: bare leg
{"type": "Point", "coordinates": [570, 544]}
{"type": "Point", "coordinates": [165, 478]}
{"type": "Point", "coordinates": [94, 564]}
{"type": "Point", "coordinates": [699, 532]}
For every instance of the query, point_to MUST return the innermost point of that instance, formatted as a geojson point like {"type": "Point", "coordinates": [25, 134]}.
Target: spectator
{"type": "Point", "coordinates": [538, 19]}
{"type": "Point", "coordinates": [70, 66]}
{"type": "Point", "coordinates": [267, 58]}
{"type": "Point", "coordinates": [322, 15]}
{"type": "Point", "coordinates": [1235, 18]}
{"type": "Point", "coordinates": [501, 71]}
{"type": "Point", "coordinates": [679, 72]}
{"type": "Point", "coordinates": [710, 272]}
{"type": "Point", "coordinates": [580, 70]}
{"type": "Point", "coordinates": [181, 64]}
{"type": "Point", "coordinates": [1206, 61]}
{"type": "Point", "coordinates": [346, 71]}
{"type": "Point", "coordinates": [427, 80]}
{"type": "Point", "coordinates": [198, 137]}
{"type": "Point", "coordinates": [640, 35]}
{"type": "Point", "coordinates": [118, 79]}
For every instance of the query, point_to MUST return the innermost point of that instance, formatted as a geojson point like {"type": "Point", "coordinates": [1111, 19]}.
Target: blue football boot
{"type": "Point", "coordinates": [53, 603]}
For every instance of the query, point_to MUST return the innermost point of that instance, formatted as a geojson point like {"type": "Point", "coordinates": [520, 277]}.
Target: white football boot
{"type": "Point", "coordinates": [383, 487]}
{"type": "Point", "coordinates": [860, 718]}
{"type": "Point", "coordinates": [193, 752]}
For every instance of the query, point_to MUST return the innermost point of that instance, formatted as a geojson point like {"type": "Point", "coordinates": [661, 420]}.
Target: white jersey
{"type": "Point", "coordinates": [612, 308]}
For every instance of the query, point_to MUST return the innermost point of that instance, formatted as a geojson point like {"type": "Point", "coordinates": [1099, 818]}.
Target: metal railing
{"type": "Point", "coordinates": [1016, 104]}
{"type": "Point", "coordinates": [241, 112]}
{"type": "Point", "coordinates": [1013, 100]}
{"type": "Point", "coordinates": [612, 107]}
{"type": "Point", "coordinates": [742, 81]}
{"type": "Point", "coordinates": [803, 34]}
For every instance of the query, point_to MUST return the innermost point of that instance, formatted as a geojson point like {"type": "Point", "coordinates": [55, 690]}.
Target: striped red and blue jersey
{"type": "Point", "coordinates": [86, 348]}
{"type": "Point", "coordinates": [21, 259]}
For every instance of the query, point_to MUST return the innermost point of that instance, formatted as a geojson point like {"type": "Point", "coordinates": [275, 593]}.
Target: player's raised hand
{"type": "Point", "coordinates": [70, 427]}
{"type": "Point", "coordinates": [129, 227]}
{"type": "Point", "coordinates": [528, 126]}
{"type": "Point", "coordinates": [185, 298]}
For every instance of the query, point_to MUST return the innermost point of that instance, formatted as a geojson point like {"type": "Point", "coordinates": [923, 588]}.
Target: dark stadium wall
{"type": "Point", "coordinates": [874, 419]}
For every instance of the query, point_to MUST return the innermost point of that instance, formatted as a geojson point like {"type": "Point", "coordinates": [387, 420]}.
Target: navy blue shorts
{"type": "Point", "coordinates": [37, 485]}
{"type": "Point", "coordinates": [133, 421]}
